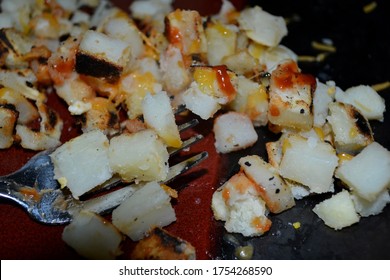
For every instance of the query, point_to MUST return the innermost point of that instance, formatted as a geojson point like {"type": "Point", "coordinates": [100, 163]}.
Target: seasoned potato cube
{"type": "Point", "coordinates": [369, 103]}
{"type": "Point", "coordinates": [352, 131]}
{"type": "Point", "coordinates": [291, 97]}
{"type": "Point", "coordinates": [185, 31]}
{"type": "Point", "coordinates": [276, 194]}
{"type": "Point", "coordinates": [216, 81]}
{"type": "Point", "coordinates": [147, 208]}
{"type": "Point", "coordinates": [158, 114]}
{"type": "Point", "coordinates": [338, 211]}
{"type": "Point", "coordinates": [238, 203]}
{"type": "Point", "coordinates": [140, 156]}
{"type": "Point", "coordinates": [160, 245]}
{"type": "Point", "coordinates": [82, 163]}
{"type": "Point", "coordinates": [102, 56]}
{"type": "Point", "coordinates": [310, 162]}
{"type": "Point", "coordinates": [262, 27]}
{"type": "Point", "coordinates": [93, 237]}
{"type": "Point", "coordinates": [251, 99]}
{"type": "Point", "coordinates": [233, 131]}
{"type": "Point", "coordinates": [367, 173]}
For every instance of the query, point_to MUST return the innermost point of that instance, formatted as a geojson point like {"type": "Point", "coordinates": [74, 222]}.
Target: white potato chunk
{"type": "Point", "coordinates": [241, 62]}
{"type": "Point", "coordinates": [322, 97]}
{"type": "Point", "coordinates": [251, 99]}
{"type": "Point", "coordinates": [221, 41]}
{"type": "Point", "coordinates": [273, 56]}
{"type": "Point", "coordinates": [27, 112]}
{"type": "Point", "coordinates": [176, 76]}
{"type": "Point", "coordinates": [367, 173]}
{"type": "Point", "coordinates": [369, 103]}
{"type": "Point", "coordinates": [309, 162]}
{"type": "Point", "coordinates": [124, 29]}
{"type": "Point", "coordinates": [237, 202]}
{"type": "Point", "coordinates": [140, 156]}
{"type": "Point", "coordinates": [338, 211]}
{"type": "Point", "coordinates": [8, 119]}
{"type": "Point", "coordinates": [109, 49]}
{"type": "Point", "coordinates": [352, 131]}
{"type": "Point", "coordinates": [233, 131]}
{"type": "Point", "coordinates": [147, 208]}
{"type": "Point", "coordinates": [82, 163]}
{"type": "Point", "coordinates": [93, 237]}
{"type": "Point", "coordinates": [262, 27]}
{"type": "Point", "coordinates": [201, 104]}
{"type": "Point", "coordinates": [158, 115]}
{"type": "Point", "coordinates": [367, 208]}
{"type": "Point", "coordinates": [276, 194]}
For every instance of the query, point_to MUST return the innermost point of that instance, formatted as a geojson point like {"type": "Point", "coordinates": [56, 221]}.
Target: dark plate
{"type": "Point", "coordinates": [362, 57]}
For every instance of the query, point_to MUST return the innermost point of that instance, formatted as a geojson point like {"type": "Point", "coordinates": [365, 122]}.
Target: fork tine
{"type": "Point", "coordinates": [186, 144]}
{"type": "Point", "coordinates": [107, 202]}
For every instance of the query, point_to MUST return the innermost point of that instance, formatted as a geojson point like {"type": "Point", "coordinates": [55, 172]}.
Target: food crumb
{"type": "Point", "coordinates": [296, 225]}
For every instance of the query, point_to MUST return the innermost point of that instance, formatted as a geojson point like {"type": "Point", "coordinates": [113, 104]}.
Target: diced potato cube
{"type": "Point", "coordinates": [322, 97]}
{"type": "Point", "coordinates": [140, 156]}
{"type": "Point", "coordinates": [201, 104]}
{"type": "Point", "coordinates": [158, 115]}
{"type": "Point", "coordinates": [367, 173]}
{"type": "Point", "coordinates": [338, 211]}
{"type": "Point", "coordinates": [369, 103]}
{"type": "Point", "coordinates": [123, 28]}
{"type": "Point", "coordinates": [248, 218]}
{"type": "Point", "coordinates": [176, 76]}
{"type": "Point", "coordinates": [241, 62]}
{"type": "Point", "coordinates": [93, 237]}
{"type": "Point", "coordinates": [83, 162]}
{"type": "Point", "coordinates": [237, 202]}
{"type": "Point", "coordinates": [233, 131]}
{"type": "Point", "coordinates": [134, 86]}
{"type": "Point", "coordinates": [291, 97]}
{"type": "Point", "coordinates": [102, 56]}
{"type": "Point", "coordinates": [251, 99]}
{"type": "Point", "coordinates": [221, 41]}
{"type": "Point", "coordinates": [310, 162]}
{"type": "Point", "coordinates": [185, 31]}
{"type": "Point", "coordinates": [352, 131]}
{"type": "Point", "coordinates": [262, 27]}
{"type": "Point", "coordinates": [8, 118]}
{"type": "Point", "coordinates": [276, 194]}
{"type": "Point", "coordinates": [147, 208]}
{"type": "Point", "coordinates": [216, 81]}
{"type": "Point", "coordinates": [27, 112]}
{"type": "Point", "coordinates": [367, 208]}
{"type": "Point", "coordinates": [273, 56]}
{"type": "Point", "coordinates": [161, 245]}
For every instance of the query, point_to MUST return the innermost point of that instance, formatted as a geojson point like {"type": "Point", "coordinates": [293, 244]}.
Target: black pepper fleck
{"type": "Point", "coordinates": [247, 163]}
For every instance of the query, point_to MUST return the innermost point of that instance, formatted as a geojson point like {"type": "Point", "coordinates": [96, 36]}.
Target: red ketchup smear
{"type": "Point", "coordinates": [224, 81]}
{"type": "Point", "coordinates": [287, 75]}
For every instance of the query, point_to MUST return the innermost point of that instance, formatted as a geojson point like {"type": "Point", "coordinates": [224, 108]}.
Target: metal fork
{"type": "Point", "coordinates": [34, 188]}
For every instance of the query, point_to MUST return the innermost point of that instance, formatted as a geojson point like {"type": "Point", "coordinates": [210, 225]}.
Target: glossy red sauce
{"type": "Point", "coordinates": [287, 75]}
{"type": "Point", "coordinates": [224, 81]}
